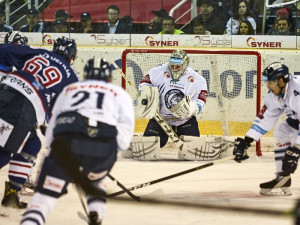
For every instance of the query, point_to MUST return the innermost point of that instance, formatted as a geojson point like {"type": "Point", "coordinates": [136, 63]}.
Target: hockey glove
{"type": "Point", "coordinates": [290, 160]}
{"type": "Point", "coordinates": [43, 129]}
{"type": "Point", "coordinates": [240, 148]}
{"type": "Point", "coordinates": [185, 108]}
{"type": "Point", "coordinates": [148, 102]}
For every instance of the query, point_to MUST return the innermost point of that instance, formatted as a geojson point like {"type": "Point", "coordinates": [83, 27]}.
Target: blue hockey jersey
{"type": "Point", "coordinates": [37, 73]}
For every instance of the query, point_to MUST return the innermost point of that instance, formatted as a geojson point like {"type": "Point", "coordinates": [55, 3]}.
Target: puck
{"type": "Point", "coordinates": [144, 101]}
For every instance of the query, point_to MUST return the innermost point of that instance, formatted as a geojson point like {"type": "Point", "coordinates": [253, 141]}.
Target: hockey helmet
{"type": "Point", "coordinates": [15, 37]}
{"type": "Point", "coordinates": [97, 69]}
{"type": "Point", "coordinates": [65, 47]}
{"type": "Point", "coordinates": [275, 71]}
{"type": "Point", "coordinates": [178, 63]}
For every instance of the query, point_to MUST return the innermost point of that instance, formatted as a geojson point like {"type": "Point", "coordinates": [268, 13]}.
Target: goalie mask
{"type": "Point", "coordinates": [275, 71]}
{"type": "Point", "coordinates": [66, 48]}
{"type": "Point", "coordinates": [97, 70]}
{"type": "Point", "coordinates": [15, 37]}
{"type": "Point", "coordinates": [179, 62]}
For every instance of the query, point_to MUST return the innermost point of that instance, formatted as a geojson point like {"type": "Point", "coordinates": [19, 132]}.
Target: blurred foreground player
{"type": "Point", "coordinates": [34, 78]}
{"type": "Point", "coordinates": [283, 97]}
{"type": "Point", "coordinates": [90, 121]}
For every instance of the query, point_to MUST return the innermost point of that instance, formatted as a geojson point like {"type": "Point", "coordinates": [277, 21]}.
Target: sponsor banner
{"type": "Point", "coordinates": [263, 42]}
{"type": "Point", "coordinates": [121, 40]}
{"type": "Point", "coordinates": [186, 40]}
{"type": "Point", "coordinates": [155, 40]}
{"type": "Point", "coordinates": [212, 41]}
{"type": "Point", "coordinates": [90, 39]}
{"type": "Point", "coordinates": [49, 38]}
{"type": "Point", "coordinates": [168, 41]}
{"type": "Point", "coordinates": [33, 38]}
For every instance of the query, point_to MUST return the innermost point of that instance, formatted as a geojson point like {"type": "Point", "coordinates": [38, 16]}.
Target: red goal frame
{"type": "Point", "coordinates": [194, 51]}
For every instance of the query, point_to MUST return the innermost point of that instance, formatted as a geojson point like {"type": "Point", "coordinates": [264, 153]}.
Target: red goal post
{"type": "Point", "coordinates": [234, 86]}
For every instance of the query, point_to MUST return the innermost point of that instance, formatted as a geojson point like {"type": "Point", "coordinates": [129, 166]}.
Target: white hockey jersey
{"type": "Point", "coordinates": [171, 92]}
{"type": "Point", "coordinates": [98, 101]}
{"type": "Point", "coordinates": [274, 106]}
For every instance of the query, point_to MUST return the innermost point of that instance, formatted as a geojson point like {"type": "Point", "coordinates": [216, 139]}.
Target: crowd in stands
{"type": "Point", "coordinates": [216, 17]}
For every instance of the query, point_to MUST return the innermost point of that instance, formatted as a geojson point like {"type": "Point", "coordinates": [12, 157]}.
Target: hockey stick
{"type": "Point", "coordinates": [80, 193]}
{"type": "Point", "coordinates": [158, 117]}
{"type": "Point", "coordinates": [173, 176]}
{"type": "Point", "coordinates": [134, 197]}
{"type": "Point", "coordinates": [206, 204]}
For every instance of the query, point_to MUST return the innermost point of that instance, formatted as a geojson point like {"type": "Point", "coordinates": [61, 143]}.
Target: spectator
{"type": "Point", "coordinates": [61, 15]}
{"type": "Point", "coordinates": [240, 13]}
{"type": "Point", "coordinates": [285, 13]}
{"type": "Point", "coordinates": [60, 26]}
{"type": "Point", "coordinates": [129, 22]}
{"type": "Point", "coordinates": [86, 24]}
{"type": "Point", "coordinates": [33, 24]}
{"type": "Point", "coordinates": [114, 25]}
{"type": "Point", "coordinates": [168, 26]}
{"type": "Point", "coordinates": [3, 26]}
{"type": "Point", "coordinates": [199, 28]}
{"type": "Point", "coordinates": [282, 27]}
{"type": "Point", "coordinates": [245, 28]}
{"type": "Point", "coordinates": [211, 20]}
{"type": "Point", "coordinates": [155, 25]}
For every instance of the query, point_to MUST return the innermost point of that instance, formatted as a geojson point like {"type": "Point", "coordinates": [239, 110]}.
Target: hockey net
{"type": "Point", "coordinates": [234, 86]}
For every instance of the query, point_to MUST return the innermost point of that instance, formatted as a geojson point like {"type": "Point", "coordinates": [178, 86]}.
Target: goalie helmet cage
{"type": "Point", "coordinates": [233, 83]}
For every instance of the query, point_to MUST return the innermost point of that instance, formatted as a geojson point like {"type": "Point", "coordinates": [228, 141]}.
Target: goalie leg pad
{"type": "Point", "coordinates": [148, 102]}
{"type": "Point", "coordinates": [146, 148]}
{"type": "Point", "coordinates": [204, 148]}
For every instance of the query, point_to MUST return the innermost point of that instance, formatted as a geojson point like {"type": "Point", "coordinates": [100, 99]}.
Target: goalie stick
{"type": "Point", "coordinates": [173, 176]}
{"type": "Point", "coordinates": [158, 117]}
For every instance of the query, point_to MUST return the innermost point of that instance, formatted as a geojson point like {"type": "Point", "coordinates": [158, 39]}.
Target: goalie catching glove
{"type": "Point", "coordinates": [185, 108]}
{"type": "Point", "coordinates": [148, 102]}
{"type": "Point", "coordinates": [240, 148]}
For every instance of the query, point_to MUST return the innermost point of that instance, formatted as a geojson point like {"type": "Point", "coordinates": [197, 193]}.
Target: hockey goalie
{"type": "Point", "coordinates": [179, 94]}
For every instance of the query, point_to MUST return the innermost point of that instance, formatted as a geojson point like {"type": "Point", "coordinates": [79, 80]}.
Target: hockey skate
{"type": "Point", "coordinates": [93, 219]}
{"type": "Point", "coordinates": [12, 198]}
{"type": "Point", "coordinates": [28, 188]}
{"type": "Point", "coordinates": [282, 182]}
{"type": "Point", "coordinates": [29, 183]}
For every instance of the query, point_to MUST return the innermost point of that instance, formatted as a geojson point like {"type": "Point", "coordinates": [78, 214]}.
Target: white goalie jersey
{"type": "Point", "coordinates": [171, 92]}
{"type": "Point", "coordinates": [98, 101]}
{"type": "Point", "coordinates": [274, 106]}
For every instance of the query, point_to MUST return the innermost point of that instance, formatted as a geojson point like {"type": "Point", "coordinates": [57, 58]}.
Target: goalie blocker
{"type": "Point", "coordinates": [194, 148]}
{"type": "Point", "coordinates": [148, 102]}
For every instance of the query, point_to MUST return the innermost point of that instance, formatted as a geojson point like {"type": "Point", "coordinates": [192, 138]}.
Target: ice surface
{"type": "Point", "coordinates": [228, 184]}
